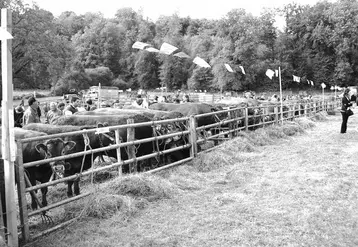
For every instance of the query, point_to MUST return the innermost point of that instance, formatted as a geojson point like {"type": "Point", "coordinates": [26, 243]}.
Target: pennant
{"type": "Point", "coordinates": [151, 49]}
{"type": "Point", "coordinates": [276, 72]}
{"type": "Point", "coordinates": [139, 45]}
{"type": "Point", "coordinates": [296, 78]}
{"type": "Point", "coordinates": [201, 62]}
{"type": "Point", "coordinates": [270, 73]}
{"type": "Point", "coordinates": [167, 48]}
{"type": "Point", "coordinates": [181, 55]}
{"type": "Point", "coordinates": [228, 68]}
{"type": "Point", "coordinates": [242, 69]}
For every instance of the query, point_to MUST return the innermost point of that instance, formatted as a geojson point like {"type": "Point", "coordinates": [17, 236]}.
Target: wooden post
{"type": "Point", "coordinates": [119, 158]}
{"type": "Point", "coordinates": [246, 118]}
{"type": "Point", "coordinates": [275, 110]}
{"type": "Point", "coordinates": [8, 146]}
{"type": "Point", "coordinates": [99, 96]}
{"type": "Point", "coordinates": [131, 148]}
{"type": "Point", "coordinates": [193, 136]}
{"type": "Point", "coordinates": [21, 186]}
{"type": "Point", "coordinates": [305, 110]}
{"type": "Point", "coordinates": [230, 116]}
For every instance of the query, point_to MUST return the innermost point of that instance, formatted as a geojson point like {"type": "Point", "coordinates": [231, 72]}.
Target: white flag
{"type": "Point", "coordinates": [242, 69]}
{"type": "Point", "coordinates": [276, 72]}
{"type": "Point", "coordinates": [167, 48]}
{"type": "Point", "coordinates": [201, 62]}
{"type": "Point", "coordinates": [151, 49]}
{"type": "Point", "coordinates": [312, 83]}
{"type": "Point", "coordinates": [228, 68]}
{"type": "Point", "coordinates": [270, 73]}
{"type": "Point", "coordinates": [181, 55]}
{"type": "Point", "coordinates": [323, 85]}
{"type": "Point", "coordinates": [308, 82]}
{"type": "Point", "coordinates": [296, 78]}
{"type": "Point", "coordinates": [139, 45]}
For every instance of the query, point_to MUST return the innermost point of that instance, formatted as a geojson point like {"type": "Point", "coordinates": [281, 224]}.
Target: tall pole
{"type": "Point", "coordinates": [281, 100]}
{"type": "Point", "coordinates": [8, 146]}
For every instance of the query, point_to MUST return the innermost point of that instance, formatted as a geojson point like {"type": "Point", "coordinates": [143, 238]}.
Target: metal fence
{"type": "Point", "coordinates": [234, 120]}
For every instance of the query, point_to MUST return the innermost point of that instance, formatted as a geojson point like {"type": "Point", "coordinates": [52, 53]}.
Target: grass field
{"type": "Point", "coordinates": [294, 185]}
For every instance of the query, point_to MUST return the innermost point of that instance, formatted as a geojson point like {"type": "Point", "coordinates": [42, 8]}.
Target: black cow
{"type": "Point", "coordinates": [35, 151]}
{"type": "Point", "coordinates": [78, 164]}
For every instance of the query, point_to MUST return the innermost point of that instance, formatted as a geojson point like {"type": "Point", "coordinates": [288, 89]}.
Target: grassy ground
{"type": "Point", "coordinates": [280, 187]}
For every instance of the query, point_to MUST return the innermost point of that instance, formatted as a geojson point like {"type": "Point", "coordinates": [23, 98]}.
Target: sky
{"type": "Point", "coordinates": [154, 8]}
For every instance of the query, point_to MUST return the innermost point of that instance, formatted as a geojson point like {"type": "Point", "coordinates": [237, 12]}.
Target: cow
{"type": "Point", "coordinates": [35, 151]}
{"type": "Point", "coordinates": [160, 129]}
{"type": "Point", "coordinates": [76, 165]}
{"type": "Point", "coordinates": [82, 142]}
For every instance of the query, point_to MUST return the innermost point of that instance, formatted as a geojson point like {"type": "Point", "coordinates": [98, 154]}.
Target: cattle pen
{"type": "Point", "coordinates": [229, 122]}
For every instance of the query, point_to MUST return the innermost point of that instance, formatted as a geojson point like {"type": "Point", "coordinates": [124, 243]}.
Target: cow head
{"type": "Point", "coordinates": [55, 148]}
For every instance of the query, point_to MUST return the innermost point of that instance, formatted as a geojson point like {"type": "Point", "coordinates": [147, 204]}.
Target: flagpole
{"type": "Point", "coordinates": [279, 76]}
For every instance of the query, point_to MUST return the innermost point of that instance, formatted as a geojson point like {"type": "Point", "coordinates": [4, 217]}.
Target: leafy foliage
{"type": "Point", "coordinates": [318, 43]}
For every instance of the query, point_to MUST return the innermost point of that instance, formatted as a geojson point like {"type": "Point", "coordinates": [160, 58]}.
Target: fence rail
{"type": "Point", "coordinates": [229, 122]}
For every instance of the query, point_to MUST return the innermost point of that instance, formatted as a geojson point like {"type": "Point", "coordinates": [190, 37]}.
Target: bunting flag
{"type": "Point", "coordinates": [167, 48]}
{"type": "Point", "coordinates": [5, 35]}
{"type": "Point", "coordinates": [181, 55]}
{"type": "Point", "coordinates": [228, 68]}
{"type": "Point", "coordinates": [151, 49]}
{"type": "Point", "coordinates": [242, 69]}
{"type": "Point", "coordinates": [270, 73]}
{"type": "Point", "coordinates": [296, 78]}
{"type": "Point", "coordinates": [139, 45]}
{"type": "Point", "coordinates": [201, 62]}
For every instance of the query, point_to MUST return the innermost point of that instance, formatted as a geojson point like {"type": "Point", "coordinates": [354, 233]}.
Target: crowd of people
{"type": "Point", "coordinates": [33, 112]}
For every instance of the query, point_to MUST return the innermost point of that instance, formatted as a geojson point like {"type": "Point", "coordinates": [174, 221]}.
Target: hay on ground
{"type": "Point", "coordinates": [150, 187]}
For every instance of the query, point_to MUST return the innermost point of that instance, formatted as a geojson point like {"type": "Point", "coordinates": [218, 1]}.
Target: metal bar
{"type": "Point", "coordinates": [57, 204]}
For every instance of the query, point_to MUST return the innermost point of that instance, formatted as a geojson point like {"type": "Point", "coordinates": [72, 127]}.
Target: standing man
{"type": "Point", "coordinates": [31, 114]}
{"type": "Point", "coordinates": [53, 113]}
{"type": "Point", "coordinates": [72, 108]}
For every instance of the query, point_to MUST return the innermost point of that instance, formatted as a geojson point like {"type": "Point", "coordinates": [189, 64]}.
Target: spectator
{"type": "Point", "coordinates": [89, 105]}
{"type": "Point", "coordinates": [18, 116]}
{"type": "Point", "coordinates": [185, 98]}
{"type": "Point", "coordinates": [31, 114]}
{"type": "Point", "coordinates": [73, 106]}
{"type": "Point", "coordinates": [61, 107]}
{"type": "Point", "coordinates": [138, 102]}
{"type": "Point", "coordinates": [53, 113]}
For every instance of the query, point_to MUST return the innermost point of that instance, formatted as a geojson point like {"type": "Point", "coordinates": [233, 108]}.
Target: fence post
{"type": "Point", "coordinates": [21, 186]}
{"type": "Point", "coordinates": [231, 126]}
{"type": "Point", "coordinates": [305, 110]}
{"type": "Point", "coordinates": [193, 136]}
{"type": "Point", "coordinates": [131, 149]}
{"type": "Point", "coordinates": [246, 118]}
{"type": "Point", "coordinates": [119, 158]}
{"type": "Point", "coordinates": [275, 110]}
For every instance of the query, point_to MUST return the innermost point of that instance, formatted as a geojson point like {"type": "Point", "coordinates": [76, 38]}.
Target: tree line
{"type": "Point", "coordinates": [71, 51]}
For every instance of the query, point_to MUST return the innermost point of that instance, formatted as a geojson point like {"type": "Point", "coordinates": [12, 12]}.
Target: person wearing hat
{"type": "Point", "coordinates": [72, 108]}
{"type": "Point", "coordinates": [18, 116]}
{"type": "Point", "coordinates": [346, 104]}
{"type": "Point", "coordinates": [31, 114]}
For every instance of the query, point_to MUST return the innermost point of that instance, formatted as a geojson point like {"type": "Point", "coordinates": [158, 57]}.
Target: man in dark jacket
{"type": "Point", "coordinates": [344, 110]}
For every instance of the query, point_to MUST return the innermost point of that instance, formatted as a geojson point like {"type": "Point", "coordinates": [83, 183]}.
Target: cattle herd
{"type": "Point", "coordinates": [103, 117]}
